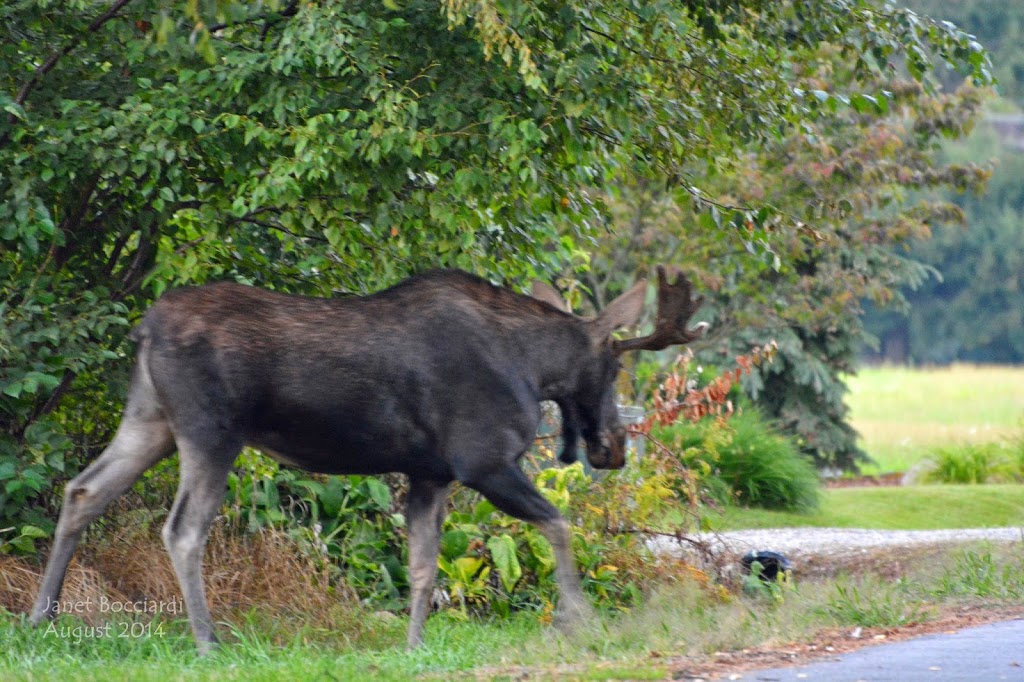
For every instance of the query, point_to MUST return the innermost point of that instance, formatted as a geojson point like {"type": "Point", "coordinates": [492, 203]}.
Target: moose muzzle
{"type": "Point", "coordinates": [609, 450]}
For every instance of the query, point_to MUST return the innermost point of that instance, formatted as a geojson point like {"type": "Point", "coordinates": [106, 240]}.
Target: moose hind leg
{"type": "Point", "coordinates": [204, 473]}
{"type": "Point", "coordinates": [511, 491]}
{"type": "Point", "coordinates": [140, 442]}
{"type": "Point", "coordinates": [425, 514]}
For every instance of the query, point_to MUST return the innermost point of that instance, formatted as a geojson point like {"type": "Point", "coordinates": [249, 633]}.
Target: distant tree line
{"type": "Point", "coordinates": [971, 307]}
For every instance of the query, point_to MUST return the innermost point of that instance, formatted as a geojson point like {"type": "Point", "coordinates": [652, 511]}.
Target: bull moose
{"type": "Point", "coordinates": [439, 377]}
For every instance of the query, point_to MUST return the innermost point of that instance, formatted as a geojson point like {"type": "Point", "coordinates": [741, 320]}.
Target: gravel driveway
{"type": "Point", "coordinates": [830, 541]}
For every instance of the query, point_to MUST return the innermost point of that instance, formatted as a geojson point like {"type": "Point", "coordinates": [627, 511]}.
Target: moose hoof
{"type": "Point", "coordinates": [39, 616]}
{"type": "Point", "coordinates": [571, 614]}
{"type": "Point", "coordinates": [205, 647]}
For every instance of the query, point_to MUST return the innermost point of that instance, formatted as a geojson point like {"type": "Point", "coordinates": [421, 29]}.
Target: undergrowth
{"type": "Point", "coordinates": [686, 616]}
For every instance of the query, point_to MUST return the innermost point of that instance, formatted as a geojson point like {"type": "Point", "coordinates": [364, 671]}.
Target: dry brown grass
{"type": "Point", "coordinates": [267, 573]}
{"type": "Point", "coordinates": [20, 578]}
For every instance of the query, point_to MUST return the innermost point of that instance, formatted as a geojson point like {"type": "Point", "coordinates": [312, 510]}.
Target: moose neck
{"type": "Point", "coordinates": [556, 351]}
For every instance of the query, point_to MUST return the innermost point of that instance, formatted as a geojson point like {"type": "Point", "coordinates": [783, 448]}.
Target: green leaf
{"type": "Point", "coordinates": [454, 543]}
{"type": "Point", "coordinates": [465, 568]}
{"type": "Point", "coordinates": [541, 551]}
{"type": "Point", "coordinates": [29, 531]}
{"type": "Point", "coordinates": [379, 493]}
{"type": "Point", "coordinates": [864, 104]}
{"type": "Point", "coordinates": [7, 470]}
{"type": "Point", "coordinates": [503, 552]}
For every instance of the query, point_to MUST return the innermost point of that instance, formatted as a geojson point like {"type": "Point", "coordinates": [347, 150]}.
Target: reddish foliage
{"type": "Point", "coordinates": [678, 395]}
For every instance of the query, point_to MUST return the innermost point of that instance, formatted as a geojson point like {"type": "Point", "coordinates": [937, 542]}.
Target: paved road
{"type": "Point", "coordinates": [979, 654]}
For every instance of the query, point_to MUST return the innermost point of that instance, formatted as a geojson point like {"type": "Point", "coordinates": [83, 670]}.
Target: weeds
{"type": "Point", "coordinates": [982, 574]}
{"type": "Point", "coordinates": [875, 605]}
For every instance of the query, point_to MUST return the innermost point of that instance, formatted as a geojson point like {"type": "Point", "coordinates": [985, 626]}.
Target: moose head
{"type": "Point", "coordinates": [591, 411]}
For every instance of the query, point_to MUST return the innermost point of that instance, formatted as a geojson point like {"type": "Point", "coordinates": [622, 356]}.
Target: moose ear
{"type": "Point", "coordinates": [542, 291]}
{"type": "Point", "coordinates": [624, 311]}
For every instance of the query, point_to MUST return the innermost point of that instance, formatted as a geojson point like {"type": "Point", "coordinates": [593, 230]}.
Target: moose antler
{"type": "Point", "coordinates": [676, 305]}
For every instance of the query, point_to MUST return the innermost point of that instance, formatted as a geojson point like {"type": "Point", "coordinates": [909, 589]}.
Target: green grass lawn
{"type": "Point", "coordinates": [250, 653]}
{"type": "Point", "coordinates": [924, 507]}
{"type": "Point", "coordinates": [903, 413]}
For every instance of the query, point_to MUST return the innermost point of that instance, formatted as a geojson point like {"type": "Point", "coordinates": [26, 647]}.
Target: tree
{"type": "Point", "coordinates": [970, 307]}
{"type": "Point", "coordinates": [997, 25]}
{"type": "Point", "coordinates": [859, 180]}
{"type": "Point", "coordinates": [336, 146]}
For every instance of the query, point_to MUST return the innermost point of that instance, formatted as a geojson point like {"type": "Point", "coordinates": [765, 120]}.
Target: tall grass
{"type": "Point", "coordinates": [981, 574]}
{"type": "Point", "coordinates": [758, 465]}
{"type": "Point", "coordinates": [767, 469]}
{"type": "Point", "coordinates": [882, 604]}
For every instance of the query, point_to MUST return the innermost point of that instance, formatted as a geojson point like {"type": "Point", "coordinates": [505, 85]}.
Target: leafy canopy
{"type": "Point", "coordinates": [328, 145]}
{"type": "Point", "coordinates": [859, 187]}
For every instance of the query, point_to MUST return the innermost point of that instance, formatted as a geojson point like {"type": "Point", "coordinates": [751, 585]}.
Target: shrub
{"type": "Point", "coordinates": [354, 527]}
{"type": "Point", "coordinates": [1015, 448]}
{"type": "Point", "coordinates": [973, 463]}
{"type": "Point", "coordinates": [749, 458]}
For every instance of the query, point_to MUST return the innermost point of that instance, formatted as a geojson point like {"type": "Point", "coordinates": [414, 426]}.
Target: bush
{"type": "Point", "coordinates": [975, 463]}
{"type": "Point", "coordinates": [750, 461]}
{"type": "Point", "coordinates": [351, 524]}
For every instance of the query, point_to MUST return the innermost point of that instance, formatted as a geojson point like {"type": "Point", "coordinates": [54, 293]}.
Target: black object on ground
{"type": "Point", "coordinates": [772, 564]}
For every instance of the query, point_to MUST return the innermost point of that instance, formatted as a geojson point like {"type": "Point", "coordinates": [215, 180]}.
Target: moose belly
{"type": "Point", "coordinates": [357, 442]}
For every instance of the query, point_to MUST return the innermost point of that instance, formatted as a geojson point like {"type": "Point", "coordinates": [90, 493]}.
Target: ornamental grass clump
{"type": "Point", "coordinates": [750, 462]}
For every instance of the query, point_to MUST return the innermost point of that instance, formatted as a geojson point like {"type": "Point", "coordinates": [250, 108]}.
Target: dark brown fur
{"type": "Point", "coordinates": [439, 377]}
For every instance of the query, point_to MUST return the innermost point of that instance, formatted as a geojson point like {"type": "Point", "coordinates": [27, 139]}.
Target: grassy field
{"type": "Point", "coordinates": [903, 413]}
{"type": "Point", "coordinates": [925, 507]}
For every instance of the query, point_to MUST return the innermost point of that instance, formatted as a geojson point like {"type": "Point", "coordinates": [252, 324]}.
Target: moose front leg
{"type": "Point", "coordinates": [511, 491]}
{"type": "Point", "coordinates": [425, 513]}
{"type": "Point", "coordinates": [570, 431]}
{"type": "Point", "coordinates": [573, 606]}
